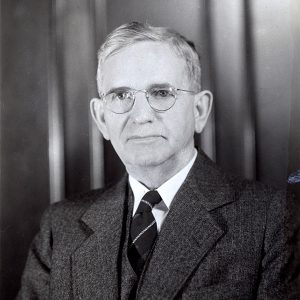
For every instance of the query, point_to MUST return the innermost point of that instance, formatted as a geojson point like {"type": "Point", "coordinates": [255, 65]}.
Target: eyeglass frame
{"type": "Point", "coordinates": [146, 92]}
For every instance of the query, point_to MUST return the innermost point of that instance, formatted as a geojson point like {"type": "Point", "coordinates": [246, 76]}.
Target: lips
{"type": "Point", "coordinates": [141, 138]}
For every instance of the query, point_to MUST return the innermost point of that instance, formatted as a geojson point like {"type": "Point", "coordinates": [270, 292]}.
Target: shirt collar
{"type": "Point", "coordinates": [167, 190]}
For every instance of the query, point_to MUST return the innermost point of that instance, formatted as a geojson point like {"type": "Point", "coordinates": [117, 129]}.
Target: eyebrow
{"type": "Point", "coordinates": [159, 85]}
{"type": "Point", "coordinates": [117, 89]}
{"type": "Point", "coordinates": [151, 86]}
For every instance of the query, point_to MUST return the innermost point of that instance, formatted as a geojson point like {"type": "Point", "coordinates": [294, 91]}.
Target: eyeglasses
{"type": "Point", "coordinates": [160, 99]}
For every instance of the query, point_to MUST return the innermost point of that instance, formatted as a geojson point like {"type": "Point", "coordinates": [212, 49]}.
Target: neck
{"type": "Point", "coordinates": [153, 176]}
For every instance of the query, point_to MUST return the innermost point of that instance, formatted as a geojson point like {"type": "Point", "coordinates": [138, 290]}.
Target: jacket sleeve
{"type": "Point", "coordinates": [36, 275]}
{"type": "Point", "coordinates": [280, 268]}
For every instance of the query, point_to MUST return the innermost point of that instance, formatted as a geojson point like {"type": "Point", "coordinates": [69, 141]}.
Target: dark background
{"type": "Point", "coordinates": [49, 147]}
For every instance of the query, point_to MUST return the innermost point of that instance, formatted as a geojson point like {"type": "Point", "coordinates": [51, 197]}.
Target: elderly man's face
{"type": "Point", "coordinates": [142, 136]}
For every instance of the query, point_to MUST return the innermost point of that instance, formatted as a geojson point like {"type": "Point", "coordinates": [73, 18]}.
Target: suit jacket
{"type": "Point", "coordinates": [224, 238]}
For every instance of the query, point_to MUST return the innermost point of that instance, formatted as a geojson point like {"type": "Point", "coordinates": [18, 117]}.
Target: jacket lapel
{"type": "Point", "coordinates": [95, 261]}
{"type": "Point", "coordinates": [188, 233]}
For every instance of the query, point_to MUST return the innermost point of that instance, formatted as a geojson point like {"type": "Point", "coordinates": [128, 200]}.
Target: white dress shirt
{"type": "Point", "coordinates": [167, 192]}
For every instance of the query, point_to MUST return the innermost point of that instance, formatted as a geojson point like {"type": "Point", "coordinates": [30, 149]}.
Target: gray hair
{"type": "Point", "coordinates": [131, 33]}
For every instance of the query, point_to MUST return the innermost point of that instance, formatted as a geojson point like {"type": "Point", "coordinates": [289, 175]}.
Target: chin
{"type": "Point", "coordinates": [149, 159]}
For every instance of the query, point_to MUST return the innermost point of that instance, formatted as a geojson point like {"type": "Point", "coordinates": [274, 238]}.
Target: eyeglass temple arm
{"type": "Point", "coordinates": [187, 91]}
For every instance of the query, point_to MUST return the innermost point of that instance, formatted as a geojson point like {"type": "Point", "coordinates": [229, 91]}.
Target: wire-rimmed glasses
{"type": "Point", "coordinates": [160, 98]}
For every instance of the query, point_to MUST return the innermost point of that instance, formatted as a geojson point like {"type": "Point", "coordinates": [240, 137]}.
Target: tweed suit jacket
{"type": "Point", "coordinates": [224, 238]}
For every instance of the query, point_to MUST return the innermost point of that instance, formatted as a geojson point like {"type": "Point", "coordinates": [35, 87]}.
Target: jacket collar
{"type": "Point", "coordinates": [210, 185]}
{"type": "Point", "coordinates": [95, 261]}
{"type": "Point", "coordinates": [108, 208]}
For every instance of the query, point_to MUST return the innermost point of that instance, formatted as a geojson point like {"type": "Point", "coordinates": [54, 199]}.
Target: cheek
{"type": "Point", "coordinates": [113, 122]}
{"type": "Point", "coordinates": [114, 127]}
{"type": "Point", "coordinates": [182, 126]}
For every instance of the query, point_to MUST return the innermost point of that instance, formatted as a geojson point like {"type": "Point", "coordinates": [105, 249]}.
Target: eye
{"type": "Point", "coordinates": [161, 93]}
{"type": "Point", "coordinates": [121, 95]}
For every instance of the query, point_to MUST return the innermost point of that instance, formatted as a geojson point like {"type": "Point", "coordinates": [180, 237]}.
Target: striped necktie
{"type": "Point", "coordinates": [143, 231]}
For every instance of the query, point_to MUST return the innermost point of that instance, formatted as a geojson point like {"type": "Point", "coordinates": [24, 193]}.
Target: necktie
{"type": "Point", "coordinates": [143, 231]}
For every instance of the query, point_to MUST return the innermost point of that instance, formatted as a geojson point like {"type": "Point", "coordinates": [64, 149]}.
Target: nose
{"type": "Point", "coordinates": [141, 111]}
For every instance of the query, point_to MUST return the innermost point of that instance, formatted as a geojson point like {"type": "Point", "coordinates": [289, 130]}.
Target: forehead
{"type": "Point", "coordinates": [143, 64]}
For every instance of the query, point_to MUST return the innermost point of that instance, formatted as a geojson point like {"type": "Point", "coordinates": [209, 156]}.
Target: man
{"type": "Point", "coordinates": [175, 226]}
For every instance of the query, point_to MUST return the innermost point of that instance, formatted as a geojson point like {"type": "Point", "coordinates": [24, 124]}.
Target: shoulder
{"type": "Point", "coordinates": [276, 210]}
{"type": "Point", "coordinates": [73, 206]}
{"type": "Point", "coordinates": [241, 197]}
{"type": "Point", "coordinates": [71, 209]}
{"type": "Point", "coordinates": [243, 188]}
{"type": "Point", "coordinates": [274, 201]}
{"type": "Point", "coordinates": [262, 192]}
{"type": "Point", "coordinates": [260, 198]}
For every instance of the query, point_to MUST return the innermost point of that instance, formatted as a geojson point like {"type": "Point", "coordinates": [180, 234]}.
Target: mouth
{"type": "Point", "coordinates": [145, 138]}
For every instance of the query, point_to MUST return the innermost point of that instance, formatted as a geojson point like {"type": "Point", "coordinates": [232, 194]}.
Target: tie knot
{"type": "Point", "coordinates": [150, 199]}
{"type": "Point", "coordinates": [153, 197]}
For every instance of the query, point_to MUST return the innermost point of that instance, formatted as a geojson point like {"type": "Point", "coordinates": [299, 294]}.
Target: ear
{"type": "Point", "coordinates": [202, 107]}
{"type": "Point", "coordinates": [97, 111]}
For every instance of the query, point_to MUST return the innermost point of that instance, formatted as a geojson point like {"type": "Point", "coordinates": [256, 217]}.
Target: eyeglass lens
{"type": "Point", "coordinates": [160, 99]}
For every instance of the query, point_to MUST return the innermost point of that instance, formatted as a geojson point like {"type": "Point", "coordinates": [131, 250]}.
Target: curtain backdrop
{"type": "Point", "coordinates": [50, 149]}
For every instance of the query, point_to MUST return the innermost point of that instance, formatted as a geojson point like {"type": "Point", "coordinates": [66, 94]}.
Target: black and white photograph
{"type": "Point", "coordinates": [150, 149]}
